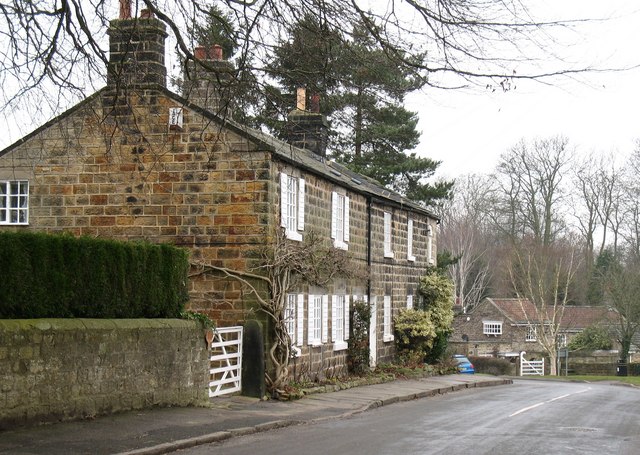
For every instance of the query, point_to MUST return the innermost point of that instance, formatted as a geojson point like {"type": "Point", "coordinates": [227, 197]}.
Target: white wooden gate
{"type": "Point", "coordinates": [225, 361]}
{"type": "Point", "coordinates": [531, 367]}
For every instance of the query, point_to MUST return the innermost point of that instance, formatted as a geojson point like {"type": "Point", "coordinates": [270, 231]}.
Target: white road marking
{"type": "Point", "coordinates": [528, 408]}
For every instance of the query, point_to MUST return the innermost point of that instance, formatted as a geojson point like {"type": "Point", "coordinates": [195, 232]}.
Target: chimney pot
{"type": "Point", "coordinates": [200, 52]}
{"type": "Point", "coordinates": [125, 9]}
{"type": "Point", "coordinates": [314, 103]}
{"type": "Point", "coordinates": [301, 99]}
{"type": "Point", "coordinates": [216, 52]}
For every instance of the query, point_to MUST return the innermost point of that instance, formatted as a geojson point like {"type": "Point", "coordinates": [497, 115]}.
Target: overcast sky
{"type": "Point", "coordinates": [469, 130]}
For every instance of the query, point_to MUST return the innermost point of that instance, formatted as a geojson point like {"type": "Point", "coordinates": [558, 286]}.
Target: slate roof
{"type": "Point", "coordinates": [302, 158]}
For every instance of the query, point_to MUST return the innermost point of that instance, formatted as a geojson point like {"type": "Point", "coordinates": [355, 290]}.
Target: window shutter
{"type": "Point", "coordinates": [300, 320]}
{"type": "Point", "coordinates": [333, 318]}
{"type": "Point", "coordinates": [410, 240]}
{"type": "Point", "coordinates": [388, 243]}
{"type": "Point", "coordinates": [325, 318]}
{"type": "Point", "coordinates": [334, 208]}
{"type": "Point", "coordinates": [283, 199]}
{"type": "Point", "coordinates": [346, 317]}
{"type": "Point", "coordinates": [301, 204]}
{"type": "Point", "coordinates": [346, 218]}
{"type": "Point", "coordinates": [310, 310]}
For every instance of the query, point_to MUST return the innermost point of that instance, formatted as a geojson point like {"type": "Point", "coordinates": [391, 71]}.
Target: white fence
{"type": "Point", "coordinates": [531, 367]}
{"type": "Point", "coordinates": [226, 361]}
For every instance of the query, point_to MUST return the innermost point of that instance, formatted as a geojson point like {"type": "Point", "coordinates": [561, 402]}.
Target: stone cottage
{"type": "Point", "coordinates": [505, 327]}
{"type": "Point", "coordinates": [138, 161]}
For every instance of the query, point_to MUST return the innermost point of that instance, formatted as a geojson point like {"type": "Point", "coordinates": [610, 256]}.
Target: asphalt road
{"type": "Point", "coordinates": [529, 417]}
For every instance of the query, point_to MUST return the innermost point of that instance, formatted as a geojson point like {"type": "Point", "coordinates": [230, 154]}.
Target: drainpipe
{"type": "Point", "coordinates": [369, 240]}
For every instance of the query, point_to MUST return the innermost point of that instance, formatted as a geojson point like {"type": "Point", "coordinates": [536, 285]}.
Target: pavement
{"type": "Point", "coordinates": [166, 430]}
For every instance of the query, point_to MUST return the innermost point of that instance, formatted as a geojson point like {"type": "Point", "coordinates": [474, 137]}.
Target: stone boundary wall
{"type": "Point", "coordinates": [66, 369]}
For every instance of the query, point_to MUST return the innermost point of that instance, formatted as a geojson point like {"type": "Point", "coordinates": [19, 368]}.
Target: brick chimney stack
{"type": "Point", "coordinates": [308, 129]}
{"type": "Point", "coordinates": [136, 49]}
{"type": "Point", "coordinates": [208, 81]}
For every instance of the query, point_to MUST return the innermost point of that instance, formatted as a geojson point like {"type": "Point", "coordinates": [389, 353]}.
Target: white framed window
{"type": "Point", "coordinates": [340, 321]}
{"type": "Point", "coordinates": [562, 340]}
{"type": "Point", "coordinates": [340, 220]}
{"type": "Point", "coordinates": [410, 301]}
{"type": "Point", "coordinates": [532, 334]}
{"type": "Point", "coordinates": [387, 330]}
{"type": "Point", "coordinates": [410, 256]}
{"type": "Point", "coordinates": [388, 247]}
{"type": "Point", "coordinates": [430, 257]}
{"type": "Point", "coordinates": [294, 320]}
{"type": "Point", "coordinates": [318, 330]}
{"type": "Point", "coordinates": [292, 206]}
{"type": "Point", "coordinates": [492, 327]}
{"type": "Point", "coordinates": [14, 202]}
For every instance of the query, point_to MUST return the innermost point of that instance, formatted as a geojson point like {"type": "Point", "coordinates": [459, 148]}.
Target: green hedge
{"type": "Point", "coordinates": [492, 365]}
{"type": "Point", "coordinates": [61, 276]}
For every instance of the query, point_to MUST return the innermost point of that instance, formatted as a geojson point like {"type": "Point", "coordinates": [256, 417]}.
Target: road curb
{"type": "Point", "coordinates": [218, 436]}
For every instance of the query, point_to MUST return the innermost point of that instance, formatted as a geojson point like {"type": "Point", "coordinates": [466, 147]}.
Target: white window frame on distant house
{"type": "Point", "coordinates": [340, 321]}
{"type": "Point", "coordinates": [388, 236]}
{"type": "Point", "coordinates": [294, 320]}
{"type": "Point", "coordinates": [318, 319]}
{"type": "Point", "coordinates": [410, 255]}
{"type": "Point", "coordinates": [292, 191]}
{"type": "Point", "coordinates": [387, 334]}
{"type": "Point", "coordinates": [532, 334]}
{"type": "Point", "coordinates": [410, 301]}
{"type": "Point", "coordinates": [340, 220]}
{"type": "Point", "coordinates": [562, 340]}
{"type": "Point", "coordinates": [430, 245]}
{"type": "Point", "coordinates": [14, 202]}
{"type": "Point", "coordinates": [492, 328]}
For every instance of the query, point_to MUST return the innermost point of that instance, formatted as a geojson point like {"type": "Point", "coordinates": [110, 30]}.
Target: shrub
{"type": "Point", "coordinates": [62, 276]}
{"type": "Point", "coordinates": [414, 335]}
{"type": "Point", "coordinates": [492, 365]}
{"type": "Point", "coordinates": [358, 353]}
{"type": "Point", "coordinates": [592, 338]}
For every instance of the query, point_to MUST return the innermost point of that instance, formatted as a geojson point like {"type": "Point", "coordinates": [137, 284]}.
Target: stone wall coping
{"type": "Point", "coordinates": [93, 324]}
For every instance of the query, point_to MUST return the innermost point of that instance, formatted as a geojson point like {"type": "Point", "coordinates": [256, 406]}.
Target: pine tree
{"type": "Point", "coordinates": [362, 92]}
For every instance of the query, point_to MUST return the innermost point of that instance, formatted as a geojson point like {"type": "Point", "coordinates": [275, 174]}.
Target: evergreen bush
{"type": "Point", "coordinates": [61, 276]}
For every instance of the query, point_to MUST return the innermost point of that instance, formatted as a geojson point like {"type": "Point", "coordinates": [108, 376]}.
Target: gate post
{"type": "Point", "coordinates": [253, 360]}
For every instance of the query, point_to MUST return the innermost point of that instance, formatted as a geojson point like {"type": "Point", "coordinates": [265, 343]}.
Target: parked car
{"type": "Point", "coordinates": [463, 364]}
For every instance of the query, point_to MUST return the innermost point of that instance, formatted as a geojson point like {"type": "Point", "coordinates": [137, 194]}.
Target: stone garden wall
{"type": "Point", "coordinates": [65, 369]}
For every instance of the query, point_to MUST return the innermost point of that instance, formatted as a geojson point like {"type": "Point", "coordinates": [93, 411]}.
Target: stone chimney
{"type": "Point", "coordinates": [308, 129]}
{"type": "Point", "coordinates": [136, 49]}
{"type": "Point", "coordinates": [208, 81]}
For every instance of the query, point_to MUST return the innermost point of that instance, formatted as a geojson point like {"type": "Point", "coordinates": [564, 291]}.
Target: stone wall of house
{"type": "Point", "coordinates": [133, 178]}
{"type": "Point", "coordinates": [66, 369]}
{"type": "Point", "coordinates": [206, 188]}
{"type": "Point", "coordinates": [395, 277]}
{"type": "Point", "coordinates": [470, 327]}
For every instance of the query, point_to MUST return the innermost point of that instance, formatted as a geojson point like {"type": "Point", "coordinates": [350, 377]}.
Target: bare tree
{"type": "Point", "coordinates": [531, 177]}
{"type": "Point", "coordinates": [541, 275]}
{"type": "Point", "coordinates": [464, 234]}
{"type": "Point", "coordinates": [51, 52]}
{"type": "Point", "coordinates": [622, 290]}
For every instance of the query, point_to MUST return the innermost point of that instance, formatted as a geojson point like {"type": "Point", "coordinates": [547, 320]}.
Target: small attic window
{"type": "Point", "coordinates": [176, 117]}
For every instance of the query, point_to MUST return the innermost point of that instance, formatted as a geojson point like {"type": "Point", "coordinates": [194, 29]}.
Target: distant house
{"type": "Point", "coordinates": [138, 161]}
{"type": "Point", "coordinates": [500, 327]}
